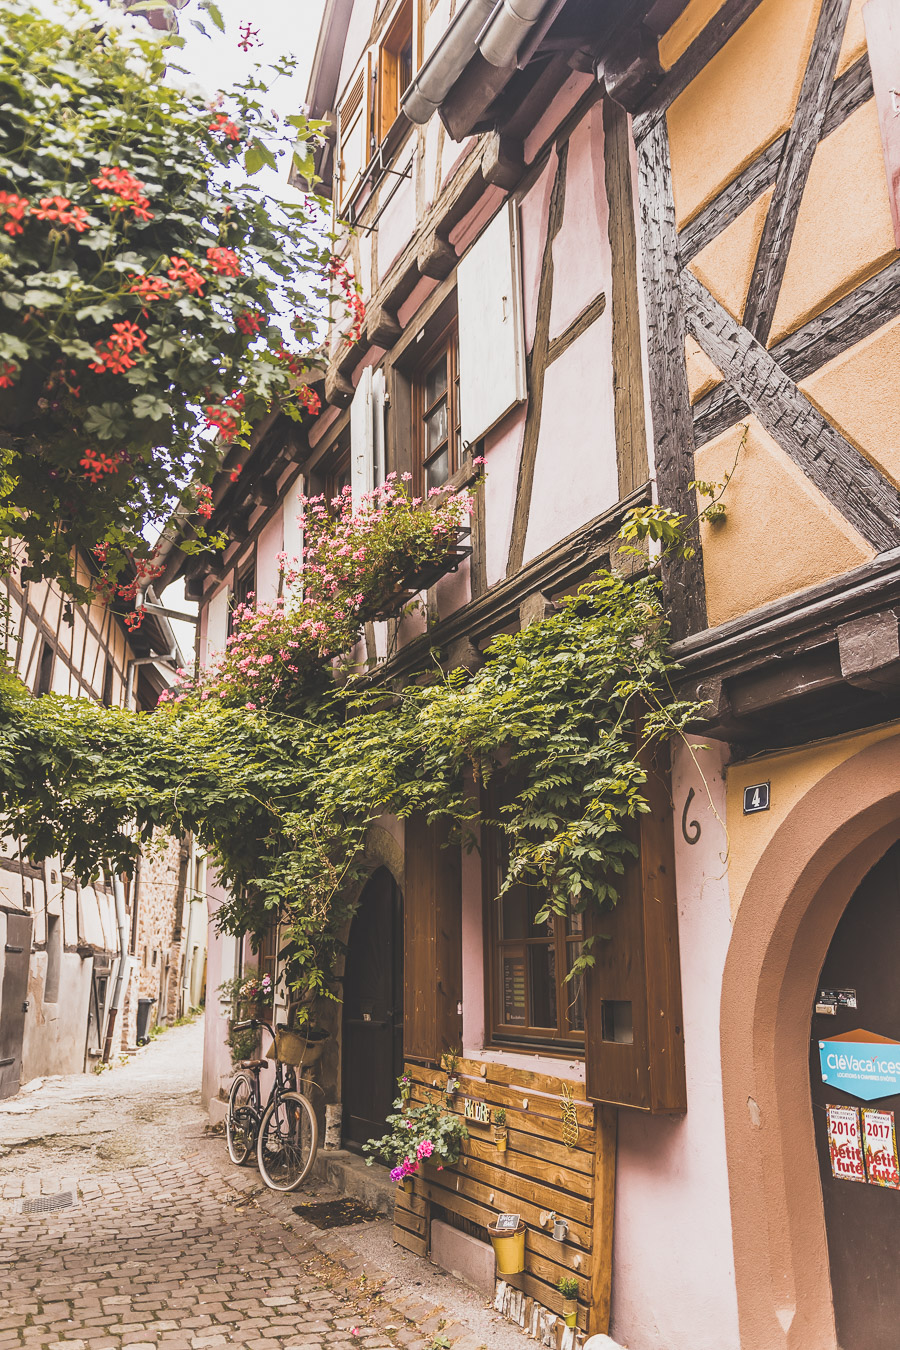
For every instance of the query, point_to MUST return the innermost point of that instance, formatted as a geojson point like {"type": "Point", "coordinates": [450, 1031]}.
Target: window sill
{"type": "Point", "coordinates": [556, 1064]}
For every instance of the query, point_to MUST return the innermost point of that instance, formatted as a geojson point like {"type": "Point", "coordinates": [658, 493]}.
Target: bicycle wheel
{"type": "Point", "coordinates": [240, 1122]}
{"type": "Point", "coordinates": [287, 1141]}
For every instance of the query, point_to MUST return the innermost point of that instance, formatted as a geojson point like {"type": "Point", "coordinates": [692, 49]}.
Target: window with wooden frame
{"type": "Point", "coordinates": [436, 414]}
{"type": "Point", "coordinates": [244, 589]}
{"type": "Point", "coordinates": [395, 69]}
{"type": "Point", "coordinates": [530, 1000]}
{"type": "Point", "coordinates": [353, 148]}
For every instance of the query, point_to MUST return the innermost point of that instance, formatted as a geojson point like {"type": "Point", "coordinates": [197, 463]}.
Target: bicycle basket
{"type": "Point", "coordinates": [292, 1047]}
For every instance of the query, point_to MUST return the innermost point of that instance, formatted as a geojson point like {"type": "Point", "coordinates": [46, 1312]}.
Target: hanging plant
{"type": "Point", "coordinates": [144, 296]}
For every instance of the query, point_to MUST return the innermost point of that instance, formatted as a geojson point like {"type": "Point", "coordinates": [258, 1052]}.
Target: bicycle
{"type": "Point", "coordinates": [284, 1132]}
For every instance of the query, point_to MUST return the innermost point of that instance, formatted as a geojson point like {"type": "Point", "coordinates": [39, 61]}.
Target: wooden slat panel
{"type": "Point", "coordinates": [411, 1242]}
{"type": "Point", "coordinates": [473, 1208]}
{"type": "Point", "coordinates": [523, 1078]}
{"type": "Point", "coordinates": [483, 1148]}
{"type": "Point", "coordinates": [529, 1122]}
{"type": "Point", "coordinates": [495, 1200]}
{"type": "Point", "coordinates": [546, 1294]}
{"type": "Point", "coordinates": [503, 1094]}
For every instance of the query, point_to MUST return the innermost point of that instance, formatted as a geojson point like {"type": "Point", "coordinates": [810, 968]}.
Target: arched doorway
{"type": "Point", "coordinates": [372, 1043]}
{"type": "Point", "coordinates": [792, 904]}
{"type": "Point", "coordinates": [858, 998]}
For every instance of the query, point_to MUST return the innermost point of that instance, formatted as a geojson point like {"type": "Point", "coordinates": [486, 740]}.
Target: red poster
{"type": "Point", "coordinates": [844, 1143]}
{"type": "Point", "coordinates": [880, 1140]}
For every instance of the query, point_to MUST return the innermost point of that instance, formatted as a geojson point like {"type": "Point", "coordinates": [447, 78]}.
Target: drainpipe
{"type": "Point", "coordinates": [507, 29]}
{"type": "Point", "coordinates": [496, 28]}
{"type": "Point", "coordinates": [447, 62]}
{"type": "Point", "coordinates": [122, 926]}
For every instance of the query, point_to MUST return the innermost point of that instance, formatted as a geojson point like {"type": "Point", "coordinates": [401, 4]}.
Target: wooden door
{"type": "Point", "coordinates": [862, 1218]}
{"type": "Point", "coordinates": [372, 1051]}
{"type": "Point", "coordinates": [13, 1001]}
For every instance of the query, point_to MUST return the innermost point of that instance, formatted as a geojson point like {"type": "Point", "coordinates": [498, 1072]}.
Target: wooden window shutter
{"type": "Point", "coordinates": [491, 329]}
{"type": "Point", "coordinates": [399, 423]}
{"type": "Point", "coordinates": [633, 1019]}
{"type": "Point", "coordinates": [432, 943]}
{"type": "Point", "coordinates": [362, 439]}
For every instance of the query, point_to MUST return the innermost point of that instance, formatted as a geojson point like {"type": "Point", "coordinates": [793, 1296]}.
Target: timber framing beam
{"type": "Point", "coordinates": [844, 476]}
{"type": "Point", "coordinates": [793, 171]}
{"type": "Point", "coordinates": [673, 423]}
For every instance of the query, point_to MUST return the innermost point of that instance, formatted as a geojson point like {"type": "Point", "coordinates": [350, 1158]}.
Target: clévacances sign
{"type": "Point", "coordinates": [861, 1064]}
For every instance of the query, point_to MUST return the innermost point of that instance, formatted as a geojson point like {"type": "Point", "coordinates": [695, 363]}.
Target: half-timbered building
{"type": "Point", "coordinates": [75, 958]}
{"type": "Point", "coordinates": [618, 250]}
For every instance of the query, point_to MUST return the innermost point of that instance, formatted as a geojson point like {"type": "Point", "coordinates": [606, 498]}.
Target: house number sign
{"type": "Point", "coordinates": [476, 1110]}
{"type": "Point", "coordinates": [756, 798]}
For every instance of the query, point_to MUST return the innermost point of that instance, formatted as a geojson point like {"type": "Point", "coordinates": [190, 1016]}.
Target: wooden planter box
{"type": "Point", "coordinates": [407, 589]}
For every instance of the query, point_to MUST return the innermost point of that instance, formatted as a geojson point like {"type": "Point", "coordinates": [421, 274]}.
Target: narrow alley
{"type": "Point", "coordinates": [125, 1225]}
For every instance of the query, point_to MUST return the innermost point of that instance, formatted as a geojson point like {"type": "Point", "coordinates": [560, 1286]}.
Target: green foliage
{"type": "Point", "coordinates": [139, 288]}
{"type": "Point", "coordinates": [283, 802]}
{"type": "Point", "coordinates": [568, 1286]}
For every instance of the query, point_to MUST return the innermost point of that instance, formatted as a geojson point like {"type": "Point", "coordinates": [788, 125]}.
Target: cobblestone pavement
{"type": "Point", "coordinates": [172, 1257]}
{"type": "Point", "coordinates": [170, 1247]}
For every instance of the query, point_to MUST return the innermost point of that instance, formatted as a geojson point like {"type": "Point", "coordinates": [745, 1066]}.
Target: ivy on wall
{"type": "Point", "coordinates": [283, 801]}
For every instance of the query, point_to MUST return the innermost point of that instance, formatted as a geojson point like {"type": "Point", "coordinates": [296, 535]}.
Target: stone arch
{"type": "Point", "coordinates": [790, 908]}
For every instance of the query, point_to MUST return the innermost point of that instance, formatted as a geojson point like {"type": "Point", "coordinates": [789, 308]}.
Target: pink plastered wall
{"type": "Point", "coordinates": [671, 1177]}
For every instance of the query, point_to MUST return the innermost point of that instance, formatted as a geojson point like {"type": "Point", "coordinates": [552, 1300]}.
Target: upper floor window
{"type": "Point", "coordinates": [437, 415]}
{"type": "Point", "coordinates": [244, 589]}
{"type": "Point", "coordinates": [395, 69]}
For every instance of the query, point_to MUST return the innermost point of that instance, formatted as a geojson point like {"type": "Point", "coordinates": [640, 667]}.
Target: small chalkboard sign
{"type": "Point", "coordinates": [510, 1221]}
{"type": "Point", "coordinates": [756, 798]}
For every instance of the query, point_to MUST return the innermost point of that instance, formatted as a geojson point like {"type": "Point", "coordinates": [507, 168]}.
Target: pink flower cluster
{"type": "Point", "coordinates": [410, 1166]}
{"type": "Point", "coordinates": [352, 563]}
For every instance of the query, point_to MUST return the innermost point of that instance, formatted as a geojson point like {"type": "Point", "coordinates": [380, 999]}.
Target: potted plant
{"type": "Point", "coordinates": [508, 1242]}
{"type": "Point", "coordinates": [501, 1131]}
{"type": "Point", "coordinates": [417, 1134]}
{"type": "Point", "coordinates": [568, 1287]}
{"type": "Point", "coordinates": [450, 1061]}
{"type": "Point", "coordinates": [256, 993]}
{"type": "Point", "coordinates": [405, 1085]}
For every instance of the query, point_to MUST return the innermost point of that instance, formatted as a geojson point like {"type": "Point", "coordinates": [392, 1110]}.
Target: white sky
{"type": "Point", "coordinates": [285, 27]}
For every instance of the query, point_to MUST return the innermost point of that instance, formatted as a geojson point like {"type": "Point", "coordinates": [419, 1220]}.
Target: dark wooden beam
{"type": "Point", "coordinates": [803, 138]}
{"type": "Point", "coordinates": [854, 317]}
{"type": "Point", "coordinates": [717, 32]}
{"type": "Point", "coordinates": [537, 368]}
{"type": "Point", "coordinates": [849, 92]}
{"type": "Point", "coordinates": [673, 426]}
{"type": "Point", "coordinates": [845, 477]}
{"type": "Point", "coordinates": [628, 379]}
{"type": "Point", "coordinates": [579, 325]}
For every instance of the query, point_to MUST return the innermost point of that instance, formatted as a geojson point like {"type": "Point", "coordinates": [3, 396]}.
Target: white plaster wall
{"type": "Point", "coordinates": [360, 26]}
{"type": "Point", "coordinates": [221, 960]}
{"type": "Point", "coordinates": [673, 1265]}
{"type": "Point", "coordinates": [269, 545]}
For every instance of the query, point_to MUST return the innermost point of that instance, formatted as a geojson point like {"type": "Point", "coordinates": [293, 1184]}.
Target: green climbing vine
{"type": "Point", "coordinates": [283, 800]}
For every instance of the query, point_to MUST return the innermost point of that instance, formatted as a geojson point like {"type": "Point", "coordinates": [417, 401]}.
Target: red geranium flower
{"type": "Point", "coordinates": [9, 371]}
{"type": "Point", "coordinates": [63, 212]}
{"type": "Point", "coordinates": [114, 355]}
{"type": "Point", "coordinates": [224, 124]}
{"type": "Point", "coordinates": [224, 261]}
{"type": "Point", "coordinates": [189, 276]}
{"type": "Point", "coordinates": [125, 186]}
{"type": "Point", "coordinates": [249, 321]}
{"type": "Point", "coordinates": [16, 208]}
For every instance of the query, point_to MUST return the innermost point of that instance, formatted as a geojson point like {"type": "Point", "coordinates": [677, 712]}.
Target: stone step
{"type": "Point", "coordinates": [348, 1174]}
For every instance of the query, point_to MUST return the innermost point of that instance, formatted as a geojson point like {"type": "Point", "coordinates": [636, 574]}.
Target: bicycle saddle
{"type": "Point", "coordinates": [253, 1064]}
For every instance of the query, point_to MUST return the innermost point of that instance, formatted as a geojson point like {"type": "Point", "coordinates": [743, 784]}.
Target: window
{"type": "Point", "coordinates": [54, 959]}
{"type": "Point", "coordinates": [106, 696]}
{"type": "Point", "coordinates": [244, 590]}
{"type": "Point", "coordinates": [45, 671]}
{"type": "Point", "coordinates": [437, 415]}
{"type": "Point", "coordinates": [395, 69]}
{"type": "Point", "coordinates": [337, 471]}
{"type": "Point", "coordinates": [353, 138]}
{"type": "Point", "coordinates": [530, 999]}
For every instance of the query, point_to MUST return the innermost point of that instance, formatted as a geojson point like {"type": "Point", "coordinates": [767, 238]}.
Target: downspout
{"type": "Point", "coordinates": [122, 926]}
{"type": "Point", "coordinates": [496, 28]}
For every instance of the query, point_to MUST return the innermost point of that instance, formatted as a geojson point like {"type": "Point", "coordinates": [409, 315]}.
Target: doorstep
{"type": "Point", "coordinates": [348, 1174]}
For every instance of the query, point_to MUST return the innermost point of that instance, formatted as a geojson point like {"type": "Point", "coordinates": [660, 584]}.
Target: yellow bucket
{"type": "Point", "coordinates": [509, 1249]}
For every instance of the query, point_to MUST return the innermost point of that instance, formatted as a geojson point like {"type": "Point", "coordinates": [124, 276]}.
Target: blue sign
{"type": "Point", "coordinates": [864, 1069]}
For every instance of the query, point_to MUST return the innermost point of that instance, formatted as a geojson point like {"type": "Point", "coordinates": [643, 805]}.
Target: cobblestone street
{"type": "Point", "coordinates": [178, 1250]}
